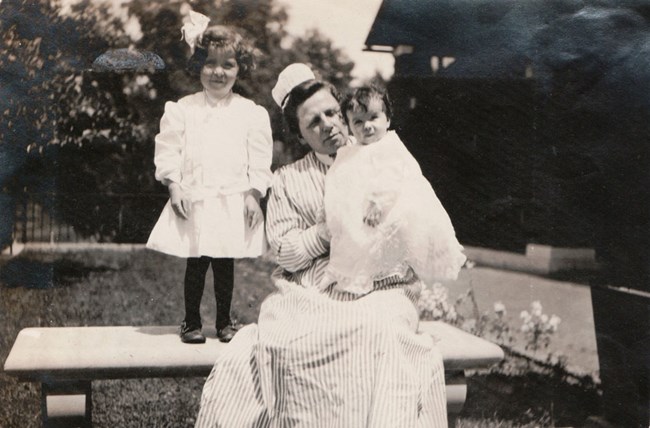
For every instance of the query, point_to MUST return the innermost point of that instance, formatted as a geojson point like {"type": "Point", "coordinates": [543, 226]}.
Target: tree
{"type": "Point", "coordinates": [94, 131]}
{"type": "Point", "coordinates": [39, 52]}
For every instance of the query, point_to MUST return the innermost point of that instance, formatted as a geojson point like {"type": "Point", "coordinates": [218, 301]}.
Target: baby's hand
{"type": "Point", "coordinates": [373, 215]}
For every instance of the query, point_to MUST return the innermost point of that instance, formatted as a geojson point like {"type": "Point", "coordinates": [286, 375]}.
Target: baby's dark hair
{"type": "Point", "coordinates": [220, 36]}
{"type": "Point", "coordinates": [361, 97]}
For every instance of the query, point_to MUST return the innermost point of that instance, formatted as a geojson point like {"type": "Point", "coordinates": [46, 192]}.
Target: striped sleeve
{"type": "Point", "coordinates": [295, 242]}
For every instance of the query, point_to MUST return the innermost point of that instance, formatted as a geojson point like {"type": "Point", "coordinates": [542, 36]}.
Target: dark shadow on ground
{"type": "Point", "coordinates": [546, 397]}
{"type": "Point", "coordinates": [31, 273]}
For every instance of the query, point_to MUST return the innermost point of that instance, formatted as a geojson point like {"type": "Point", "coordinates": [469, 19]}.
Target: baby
{"type": "Point", "coordinates": [384, 218]}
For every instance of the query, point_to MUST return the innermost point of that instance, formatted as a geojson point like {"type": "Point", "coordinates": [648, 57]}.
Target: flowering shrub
{"type": "Point", "coordinates": [433, 304]}
{"type": "Point", "coordinates": [500, 325]}
{"type": "Point", "coordinates": [538, 327]}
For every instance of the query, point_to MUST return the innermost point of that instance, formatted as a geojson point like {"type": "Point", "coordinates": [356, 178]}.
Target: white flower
{"type": "Point", "coordinates": [554, 322]}
{"type": "Point", "coordinates": [469, 324]}
{"type": "Point", "coordinates": [555, 357]}
{"type": "Point", "coordinates": [451, 314]}
{"type": "Point", "coordinates": [132, 28]}
{"type": "Point", "coordinates": [524, 315]}
{"type": "Point", "coordinates": [544, 318]}
{"type": "Point", "coordinates": [439, 292]}
{"type": "Point", "coordinates": [525, 328]}
{"type": "Point", "coordinates": [433, 302]}
{"type": "Point", "coordinates": [142, 80]}
{"type": "Point", "coordinates": [499, 308]}
{"type": "Point", "coordinates": [469, 264]}
{"type": "Point", "coordinates": [426, 301]}
{"type": "Point", "coordinates": [185, 9]}
{"type": "Point", "coordinates": [536, 308]}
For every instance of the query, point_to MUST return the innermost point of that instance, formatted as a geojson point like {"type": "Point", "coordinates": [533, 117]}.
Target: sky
{"type": "Point", "coordinates": [347, 24]}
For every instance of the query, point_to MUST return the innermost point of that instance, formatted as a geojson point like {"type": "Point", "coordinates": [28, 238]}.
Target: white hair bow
{"type": "Point", "coordinates": [193, 29]}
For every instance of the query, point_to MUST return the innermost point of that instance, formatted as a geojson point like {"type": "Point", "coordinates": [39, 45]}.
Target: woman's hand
{"type": "Point", "coordinates": [252, 211]}
{"type": "Point", "coordinates": [321, 224]}
{"type": "Point", "coordinates": [180, 203]}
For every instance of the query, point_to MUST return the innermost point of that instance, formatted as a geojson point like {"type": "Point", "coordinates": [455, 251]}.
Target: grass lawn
{"type": "Point", "coordinates": [144, 288]}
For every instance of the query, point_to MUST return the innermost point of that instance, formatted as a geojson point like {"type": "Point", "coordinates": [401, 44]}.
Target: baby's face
{"type": "Point", "coordinates": [369, 126]}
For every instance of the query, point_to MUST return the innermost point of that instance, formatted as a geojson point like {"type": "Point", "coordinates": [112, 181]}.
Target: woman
{"type": "Point", "coordinates": [321, 358]}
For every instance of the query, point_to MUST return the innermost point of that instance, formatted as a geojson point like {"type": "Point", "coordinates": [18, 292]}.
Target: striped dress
{"type": "Point", "coordinates": [323, 358]}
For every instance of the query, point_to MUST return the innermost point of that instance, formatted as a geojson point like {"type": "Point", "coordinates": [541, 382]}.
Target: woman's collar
{"type": "Point", "coordinates": [325, 159]}
{"type": "Point", "coordinates": [329, 159]}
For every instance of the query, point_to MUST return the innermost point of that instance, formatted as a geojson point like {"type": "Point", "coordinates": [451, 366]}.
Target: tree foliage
{"type": "Point", "coordinates": [94, 131]}
{"type": "Point", "coordinates": [39, 50]}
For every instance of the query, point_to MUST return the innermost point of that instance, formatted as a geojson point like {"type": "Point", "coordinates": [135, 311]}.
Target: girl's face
{"type": "Point", "coordinates": [219, 72]}
{"type": "Point", "coordinates": [369, 126]}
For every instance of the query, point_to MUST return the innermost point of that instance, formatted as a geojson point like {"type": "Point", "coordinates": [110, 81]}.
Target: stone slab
{"type": "Point", "coordinates": [71, 353]}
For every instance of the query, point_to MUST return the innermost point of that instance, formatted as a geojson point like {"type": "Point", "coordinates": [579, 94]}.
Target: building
{"type": "Point", "coordinates": [530, 119]}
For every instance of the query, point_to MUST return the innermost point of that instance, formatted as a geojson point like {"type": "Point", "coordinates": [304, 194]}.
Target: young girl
{"type": "Point", "coordinates": [383, 216]}
{"type": "Point", "coordinates": [214, 154]}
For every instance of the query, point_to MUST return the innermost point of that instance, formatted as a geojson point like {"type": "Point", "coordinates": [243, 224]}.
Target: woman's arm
{"type": "Point", "coordinates": [295, 243]}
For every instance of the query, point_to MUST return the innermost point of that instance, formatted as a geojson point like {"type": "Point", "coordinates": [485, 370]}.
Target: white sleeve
{"type": "Point", "coordinates": [259, 144]}
{"type": "Point", "coordinates": [168, 156]}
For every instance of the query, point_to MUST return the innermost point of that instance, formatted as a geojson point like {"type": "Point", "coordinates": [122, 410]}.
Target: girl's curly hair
{"type": "Point", "coordinates": [220, 36]}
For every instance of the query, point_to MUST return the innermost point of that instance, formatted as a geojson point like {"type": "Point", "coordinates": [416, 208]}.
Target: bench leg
{"type": "Point", "coordinates": [66, 404]}
{"type": "Point", "coordinates": [456, 387]}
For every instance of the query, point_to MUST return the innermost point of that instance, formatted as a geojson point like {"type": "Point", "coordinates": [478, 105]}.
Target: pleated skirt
{"type": "Point", "coordinates": [323, 360]}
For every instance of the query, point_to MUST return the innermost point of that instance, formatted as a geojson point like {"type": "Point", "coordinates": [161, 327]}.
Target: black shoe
{"type": "Point", "coordinates": [226, 334]}
{"type": "Point", "coordinates": [191, 334]}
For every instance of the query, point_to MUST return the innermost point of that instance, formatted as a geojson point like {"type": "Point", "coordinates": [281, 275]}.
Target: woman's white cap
{"type": "Point", "coordinates": [292, 76]}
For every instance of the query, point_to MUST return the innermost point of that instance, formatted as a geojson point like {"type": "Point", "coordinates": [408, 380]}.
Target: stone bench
{"type": "Point", "coordinates": [65, 360]}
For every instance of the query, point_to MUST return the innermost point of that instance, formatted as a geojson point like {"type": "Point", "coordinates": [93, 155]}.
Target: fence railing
{"type": "Point", "coordinates": [54, 217]}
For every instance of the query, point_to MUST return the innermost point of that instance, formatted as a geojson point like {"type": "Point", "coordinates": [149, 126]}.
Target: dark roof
{"type": "Point", "coordinates": [492, 38]}
{"type": "Point", "coordinates": [454, 27]}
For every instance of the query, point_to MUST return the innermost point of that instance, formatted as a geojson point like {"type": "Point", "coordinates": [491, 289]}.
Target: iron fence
{"type": "Point", "coordinates": [81, 217]}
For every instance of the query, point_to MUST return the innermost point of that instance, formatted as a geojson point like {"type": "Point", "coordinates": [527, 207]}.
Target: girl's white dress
{"type": "Point", "coordinates": [215, 152]}
{"type": "Point", "coordinates": [414, 230]}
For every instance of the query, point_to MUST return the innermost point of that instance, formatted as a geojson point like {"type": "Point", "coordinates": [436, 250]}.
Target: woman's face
{"type": "Point", "coordinates": [219, 72]}
{"type": "Point", "coordinates": [321, 123]}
